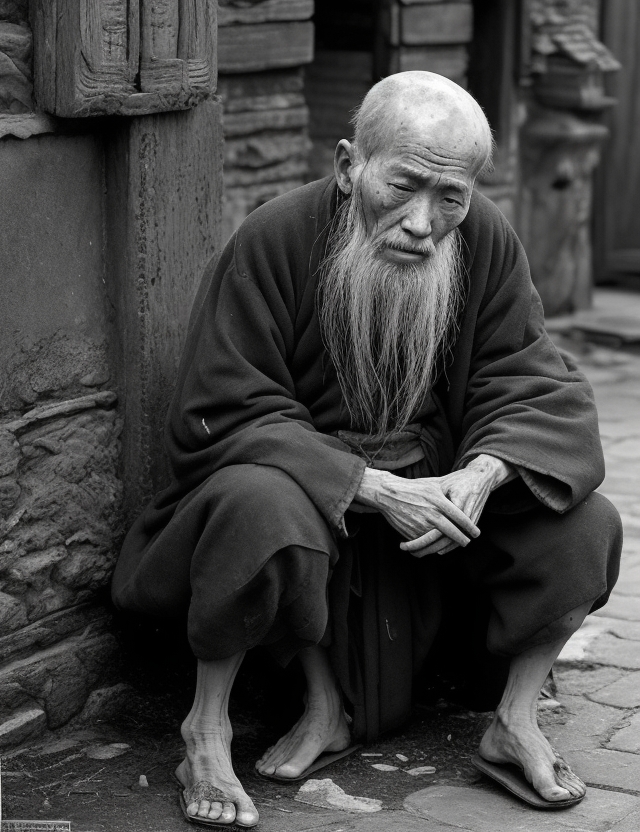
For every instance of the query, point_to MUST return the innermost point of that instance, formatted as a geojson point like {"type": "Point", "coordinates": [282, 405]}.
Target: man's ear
{"type": "Point", "coordinates": [343, 164]}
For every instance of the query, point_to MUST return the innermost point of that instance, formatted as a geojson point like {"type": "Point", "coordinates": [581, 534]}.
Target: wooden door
{"type": "Point", "coordinates": [617, 202]}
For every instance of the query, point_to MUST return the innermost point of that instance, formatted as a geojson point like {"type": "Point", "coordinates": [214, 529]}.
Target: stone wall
{"type": "Point", "coordinates": [60, 492]}
{"type": "Point", "coordinates": [59, 518]}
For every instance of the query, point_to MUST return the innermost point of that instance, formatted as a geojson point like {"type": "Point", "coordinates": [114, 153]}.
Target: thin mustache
{"type": "Point", "coordinates": [396, 245]}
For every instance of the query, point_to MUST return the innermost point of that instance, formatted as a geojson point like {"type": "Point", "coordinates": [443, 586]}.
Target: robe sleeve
{"type": "Point", "coordinates": [235, 401]}
{"type": "Point", "coordinates": [525, 402]}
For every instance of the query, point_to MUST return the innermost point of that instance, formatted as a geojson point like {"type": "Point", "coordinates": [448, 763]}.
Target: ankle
{"type": "Point", "coordinates": [510, 717]}
{"type": "Point", "coordinates": [196, 728]}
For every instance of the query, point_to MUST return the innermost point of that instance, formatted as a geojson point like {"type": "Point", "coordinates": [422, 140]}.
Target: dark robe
{"type": "Point", "coordinates": [249, 531]}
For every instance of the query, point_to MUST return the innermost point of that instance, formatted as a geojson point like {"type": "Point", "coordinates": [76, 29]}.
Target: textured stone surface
{"type": "Point", "coordinates": [612, 650]}
{"type": "Point", "coordinates": [105, 703]}
{"type": "Point", "coordinates": [58, 544]}
{"type": "Point", "coordinates": [603, 767]}
{"type": "Point", "coordinates": [621, 606]}
{"type": "Point", "coordinates": [59, 678]}
{"type": "Point", "coordinates": [489, 809]}
{"type": "Point", "coordinates": [581, 680]}
{"type": "Point", "coordinates": [624, 693]}
{"type": "Point", "coordinates": [21, 726]}
{"type": "Point", "coordinates": [628, 737]}
{"type": "Point", "coordinates": [581, 725]}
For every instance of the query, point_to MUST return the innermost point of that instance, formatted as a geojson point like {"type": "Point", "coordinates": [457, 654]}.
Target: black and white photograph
{"type": "Point", "coordinates": [320, 415]}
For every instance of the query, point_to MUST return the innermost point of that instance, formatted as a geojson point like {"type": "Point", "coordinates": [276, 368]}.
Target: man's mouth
{"type": "Point", "coordinates": [401, 254]}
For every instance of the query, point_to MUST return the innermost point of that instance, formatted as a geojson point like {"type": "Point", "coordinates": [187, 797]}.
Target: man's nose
{"type": "Point", "coordinates": [417, 220]}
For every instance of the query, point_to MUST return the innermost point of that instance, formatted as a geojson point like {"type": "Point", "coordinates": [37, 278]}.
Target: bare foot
{"type": "Point", "coordinates": [322, 727]}
{"type": "Point", "coordinates": [208, 759]}
{"type": "Point", "coordinates": [518, 739]}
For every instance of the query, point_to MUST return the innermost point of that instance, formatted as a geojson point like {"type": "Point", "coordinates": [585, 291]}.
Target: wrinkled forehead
{"type": "Point", "coordinates": [438, 127]}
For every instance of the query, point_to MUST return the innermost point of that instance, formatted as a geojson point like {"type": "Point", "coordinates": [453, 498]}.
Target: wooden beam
{"type": "Point", "coordinates": [267, 11]}
{"type": "Point", "coordinates": [252, 48]}
{"type": "Point", "coordinates": [431, 23]}
{"type": "Point", "coordinates": [450, 61]}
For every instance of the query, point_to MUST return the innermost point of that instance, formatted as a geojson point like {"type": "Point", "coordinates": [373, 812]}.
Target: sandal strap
{"type": "Point", "coordinates": [203, 790]}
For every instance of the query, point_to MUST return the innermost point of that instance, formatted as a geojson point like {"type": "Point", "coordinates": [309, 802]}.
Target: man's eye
{"type": "Point", "coordinates": [403, 188]}
{"type": "Point", "coordinates": [451, 201]}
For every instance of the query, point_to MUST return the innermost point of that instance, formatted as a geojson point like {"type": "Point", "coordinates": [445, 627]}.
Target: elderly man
{"type": "Point", "coordinates": [367, 385]}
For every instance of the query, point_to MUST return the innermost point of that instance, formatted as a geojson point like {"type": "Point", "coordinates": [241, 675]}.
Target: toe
{"type": "Point", "coordinates": [203, 809]}
{"type": "Point", "coordinates": [228, 814]}
{"type": "Point", "coordinates": [548, 788]}
{"type": "Point", "coordinates": [246, 813]}
{"type": "Point", "coordinates": [215, 810]}
{"type": "Point", "coordinates": [570, 781]}
{"type": "Point", "coordinates": [192, 808]}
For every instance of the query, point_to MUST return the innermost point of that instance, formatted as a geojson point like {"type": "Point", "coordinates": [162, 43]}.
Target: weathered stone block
{"type": "Point", "coordinates": [585, 725]}
{"type": "Point", "coordinates": [618, 652]}
{"type": "Point", "coordinates": [15, 11]}
{"type": "Point", "coordinates": [86, 568]}
{"type": "Point", "coordinates": [603, 767]}
{"type": "Point", "coordinates": [105, 703]}
{"type": "Point", "coordinates": [21, 726]}
{"type": "Point", "coordinates": [581, 680]}
{"type": "Point", "coordinates": [51, 629]}
{"type": "Point", "coordinates": [13, 613]}
{"type": "Point", "coordinates": [627, 738]}
{"type": "Point", "coordinates": [9, 453]}
{"type": "Point", "coordinates": [9, 494]}
{"type": "Point", "coordinates": [624, 693]}
{"type": "Point", "coordinates": [491, 809]}
{"type": "Point", "coordinates": [59, 679]}
{"type": "Point", "coordinates": [35, 570]}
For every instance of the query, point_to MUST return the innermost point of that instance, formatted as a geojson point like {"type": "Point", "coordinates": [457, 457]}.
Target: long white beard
{"type": "Point", "coordinates": [385, 325]}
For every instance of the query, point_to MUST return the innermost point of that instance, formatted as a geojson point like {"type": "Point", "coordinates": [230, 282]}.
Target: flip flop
{"type": "Point", "coordinates": [320, 762]}
{"type": "Point", "coordinates": [513, 779]}
{"type": "Point", "coordinates": [203, 790]}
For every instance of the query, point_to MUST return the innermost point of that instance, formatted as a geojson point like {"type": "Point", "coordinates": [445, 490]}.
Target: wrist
{"type": "Point", "coordinates": [496, 470]}
{"type": "Point", "coordinates": [371, 488]}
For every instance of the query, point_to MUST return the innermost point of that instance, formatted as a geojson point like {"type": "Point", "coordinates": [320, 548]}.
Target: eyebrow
{"type": "Point", "coordinates": [443, 180]}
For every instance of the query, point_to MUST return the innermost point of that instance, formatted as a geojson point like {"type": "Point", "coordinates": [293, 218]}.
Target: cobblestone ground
{"type": "Point", "coordinates": [594, 719]}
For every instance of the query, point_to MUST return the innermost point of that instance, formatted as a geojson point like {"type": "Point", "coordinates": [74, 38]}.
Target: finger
{"type": "Point", "coordinates": [425, 540]}
{"type": "Point", "coordinates": [435, 548]}
{"type": "Point", "coordinates": [448, 529]}
{"type": "Point", "coordinates": [455, 514]}
{"type": "Point", "coordinates": [448, 549]}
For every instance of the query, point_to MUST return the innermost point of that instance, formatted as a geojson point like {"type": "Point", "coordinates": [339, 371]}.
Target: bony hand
{"type": "Point", "coordinates": [468, 489]}
{"type": "Point", "coordinates": [418, 509]}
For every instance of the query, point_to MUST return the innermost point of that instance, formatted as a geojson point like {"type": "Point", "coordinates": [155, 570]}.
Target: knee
{"type": "Point", "coordinates": [251, 481]}
{"type": "Point", "coordinates": [598, 522]}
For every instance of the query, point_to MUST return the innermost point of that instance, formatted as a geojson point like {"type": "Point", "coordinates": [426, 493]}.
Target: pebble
{"type": "Point", "coordinates": [328, 794]}
{"type": "Point", "coordinates": [403, 758]}
{"type": "Point", "coordinates": [384, 767]}
{"type": "Point", "coordinates": [415, 772]}
{"type": "Point", "coordinates": [107, 752]}
{"type": "Point", "coordinates": [370, 754]}
{"type": "Point", "coordinates": [143, 782]}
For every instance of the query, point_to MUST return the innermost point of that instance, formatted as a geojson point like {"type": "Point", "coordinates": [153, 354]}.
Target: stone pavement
{"type": "Point", "coordinates": [594, 719]}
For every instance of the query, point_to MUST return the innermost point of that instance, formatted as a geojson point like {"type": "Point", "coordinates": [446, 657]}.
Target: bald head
{"type": "Point", "coordinates": [412, 104]}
